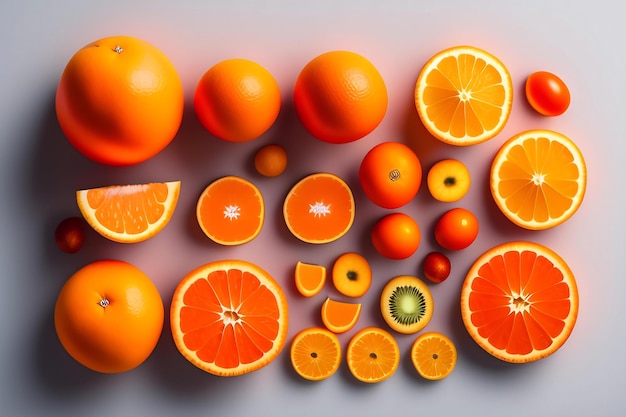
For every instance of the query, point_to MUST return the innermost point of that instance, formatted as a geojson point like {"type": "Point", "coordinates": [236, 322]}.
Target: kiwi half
{"type": "Point", "coordinates": [406, 304]}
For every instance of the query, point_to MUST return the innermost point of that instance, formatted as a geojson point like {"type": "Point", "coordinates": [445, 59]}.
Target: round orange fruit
{"type": "Point", "coordinates": [340, 97]}
{"type": "Point", "coordinates": [396, 236]}
{"type": "Point", "coordinates": [109, 316]}
{"type": "Point", "coordinates": [119, 101]}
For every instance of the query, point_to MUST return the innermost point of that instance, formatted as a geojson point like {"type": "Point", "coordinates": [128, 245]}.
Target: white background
{"type": "Point", "coordinates": [581, 41]}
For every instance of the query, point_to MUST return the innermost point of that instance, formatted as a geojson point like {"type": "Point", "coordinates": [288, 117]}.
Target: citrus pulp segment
{"type": "Point", "coordinates": [129, 213]}
{"type": "Point", "coordinates": [538, 179]}
{"type": "Point", "coordinates": [373, 355]}
{"type": "Point", "coordinates": [229, 317]}
{"type": "Point", "coordinates": [340, 316]}
{"type": "Point", "coordinates": [464, 95]}
{"type": "Point", "coordinates": [231, 211]}
{"type": "Point", "coordinates": [315, 353]}
{"type": "Point", "coordinates": [433, 355]}
{"type": "Point", "coordinates": [309, 278]}
{"type": "Point", "coordinates": [519, 301]}
{"type": "Point", "coordinates": [319, 208]}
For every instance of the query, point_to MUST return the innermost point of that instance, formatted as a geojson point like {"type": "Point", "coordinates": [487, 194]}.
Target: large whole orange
{"type": "Point", "coordinates": [119, 101]}
{"type": "Point", "coordinates": [109, 316]}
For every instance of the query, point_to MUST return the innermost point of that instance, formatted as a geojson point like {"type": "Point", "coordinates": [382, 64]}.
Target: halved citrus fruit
{"type": "Point", "coordinates": [319, 208]}
{"type": "Point", "coordinates": [519, 301]}
{"type": "Point", "coordinates": [309, 278]}
{"type": "Point", "coordinates": [538, 179]}
{"type": "Point", "coordinates": [464, 95]}
{"type": "Point", "coordinates": [340, 316]}
{"type": "Point", "coordinates": [315, 353]}
{"type": "Point", "coordinates": [372, 355]}
{"type": "Point", "coordinates": [231, 211]}
{"type": "Point", "coordinates": [129, 213]}
{"type": "Point", "coordinates": [433, 355]}
{"type": "Point", "coordinates": [229, 317]}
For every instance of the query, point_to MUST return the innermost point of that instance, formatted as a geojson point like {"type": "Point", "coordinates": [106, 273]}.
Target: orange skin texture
{"type": "Point", "coordinates": [396, 236]}
{"type": "Point", "coordinates": [119, 108]}
{"type": "Point", "coordinates": [113, 338]}
{"type": "Point", "coordinates": [456, 229]}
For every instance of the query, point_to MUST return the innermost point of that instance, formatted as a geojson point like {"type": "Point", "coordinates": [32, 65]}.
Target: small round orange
{"type": "Point", "coordinates": [270, 160]}
{"type": "Point", "coordinates": [119, 101]}
{"type": "Point", "coordinates": [237, 100]}
{"type": "Point", "coordinates": [396, 236]}
{"type": "Point", "coordinates": [109, 316]}
{"type": "Point", "coordinates": [340, 97]}
{"type": "Point", "coordinates": [456, 229]}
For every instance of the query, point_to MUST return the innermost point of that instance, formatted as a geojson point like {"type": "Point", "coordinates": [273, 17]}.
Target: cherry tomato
{"type": "Point", "coordinates": [396, 236]}
{"type": "Point", "coordinates": [437, 267]}
{"type": "Point", "coordinates": [456, 229]}
{"type": "Point", "coordinates": [69, 234]}
{"type": "Point", "coordinates": [547, 93]}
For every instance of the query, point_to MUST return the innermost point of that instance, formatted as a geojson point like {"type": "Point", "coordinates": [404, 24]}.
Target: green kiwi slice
{"type": "Point", "coordinates": [406, 304]}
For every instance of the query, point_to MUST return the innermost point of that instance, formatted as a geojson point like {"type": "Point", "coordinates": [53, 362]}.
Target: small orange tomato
{"type": "Point", "coordinates": [396, 236]}
{"type": "Point", "coordinates": [456, 229]}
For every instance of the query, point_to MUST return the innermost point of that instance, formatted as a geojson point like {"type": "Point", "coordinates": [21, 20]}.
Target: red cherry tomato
{"type": "Point", "coordinates": [547, 93]}
{"type": "Point", "coordinates": [456, 229]}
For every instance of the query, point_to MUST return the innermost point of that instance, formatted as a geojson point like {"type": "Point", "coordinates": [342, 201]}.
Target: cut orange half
{"type": "Point", "coordinates": [315, 353]}
{"type": "Point", "coordinates": [129, 213]}
{"type": "Point", "coordinates": [309, 278]}
{"type": "Point", "coordinates": [519, 301]}
{"type": "Point", "coordinates": [464, 95]}
{"type": "Point", "coordinates": [538, 179]}
{"type": "Point", "coordinates": [433, 355]}
{"type": "Point", "coordinates": [229, 317]}
{"type": "Point", "coordinates": [319, 208]}
{"type": "Point", "coordinates": [373, 355]}
{"type": "Point", "coordinates": [231, 211]}
{"type": "Point", "coordinates": [339, 316]}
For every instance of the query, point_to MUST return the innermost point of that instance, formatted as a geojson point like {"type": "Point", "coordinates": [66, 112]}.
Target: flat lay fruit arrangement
{"type": "Point", "coordinates": [120, 101]}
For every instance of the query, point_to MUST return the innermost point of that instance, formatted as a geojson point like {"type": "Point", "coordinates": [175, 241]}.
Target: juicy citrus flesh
{"type": "Point", "coordinates": [519, 301]}
{"type": "Point", "coordinates": [315, 353]}
{"type": "Point", "coordinates": [406, 304]}
{"type": "Point", "coordinates": [352, 274]}
{"type": "Point", "coordinates": [229, 317]}
{"type": "Point", "coordinates": [340, 97]}
{"type": "Point", "coordinates": [129, 213]}
{"type": "Point", "coordinates": [433, 355]}
{"type": "Point", "coordinates": [319, 208]}
{"type": "Point", "coordinates": [464, 95]}
{"type": "Point", "coordinates": [340, 316]}
{"type": "Point", "coordinates": [119, 101]}
{"type": "Point", "coordinates": [373, 355]}
{"type": "Point", "coordinates": [309, 278]}
{"type": "Point", "coordinates": [231, 211]}
{"type": "Point", "coordinates": [538, 179]}
{"type": "Point", "coordinates": [237, 100]}
{"type": "Point", "coordinates": [109, 316]}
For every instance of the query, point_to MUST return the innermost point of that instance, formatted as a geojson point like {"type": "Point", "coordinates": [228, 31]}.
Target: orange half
{"type": "Point", "coordinates": [315, 353]}
{"type": "Point", "coordinates": [372, 355]}
{"type": "Point", "coordinates": [433, 355]}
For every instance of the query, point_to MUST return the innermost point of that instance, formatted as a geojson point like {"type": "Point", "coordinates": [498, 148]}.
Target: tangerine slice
{"type": "Point", "coordinates": [339, 316]}
{"type": "Point", "coordinates": [231, 211]}
{"type": "Point", "coordinates": [433, 355]}
{"type": "Point", "coordinates": [319, 208]}
{"type": "Point", "coordinates": [310, 278]}
{"type": "Point", "coordinates": [129, 213]}
{"type": "Point", "coordinates": [372, 355]}
{"type": "Point", "coordinates": [315, 353]}
{"type": "Point", "coordinates": [229, 317]}
{"type": "Point", "coordinates": [519, 301]}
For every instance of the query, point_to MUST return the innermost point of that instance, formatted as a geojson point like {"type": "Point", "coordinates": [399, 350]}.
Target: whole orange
{"type": "Point", "coordinates": [396, 236]}
{"type": "Point", "coordinates": [119, 101]}
{"type": "Point", "coordinates": [340, 97]}
{"type": "Point", "coordinates": [237, 100]}
{"type": "Point", "coordinates": [390, 174]}
{"type": "Point", "coordinates": [109, 316]}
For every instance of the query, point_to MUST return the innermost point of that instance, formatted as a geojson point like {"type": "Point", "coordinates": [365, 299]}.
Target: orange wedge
{"type": "Point", "coordinates": [433, 355]}
{"type": "Point", "coordinates": [464, 95]}
{"type": "Point", "coordinates": [129, 213]}
{"type": "Point", "coordinates": [538, 179]}
{"type": "Point", "coordinates": [231, 211]}
{"type": "Point", "coordinates": [315, 353]}
{"type": "Point", "coordinates": [373, 355]}
{"type": "Point", "coordinates": [309, 278]}
{"type": "Point", "coordinates": [339, 316]}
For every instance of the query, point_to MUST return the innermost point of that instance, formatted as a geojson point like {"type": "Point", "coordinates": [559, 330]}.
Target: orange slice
{"type": "Point", "coordinates": [231, 211]}
{"type": "Point", "coordinates": [373, 355]}
{"type": "Point", "coordinates": [129, 213]}
{"type": "Point", "coordinates": [538, 179]}
{"type": "Point", "coordinates": [310, 278]}
{"type": "Point", "coordinates": [433, 355]}
{"type": "Point", "coordinates": [229, 317]}
{"type": "Point", "coordinates": [519, 301]}
{"type": "Point", "coordinates": [315, 353]}
{"type": "Point", "coordinates": [339, 316]}
{"type": "Point", "coordinates": [463, 95]}
{"type": "Point", "coordinates": [319, 208]}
